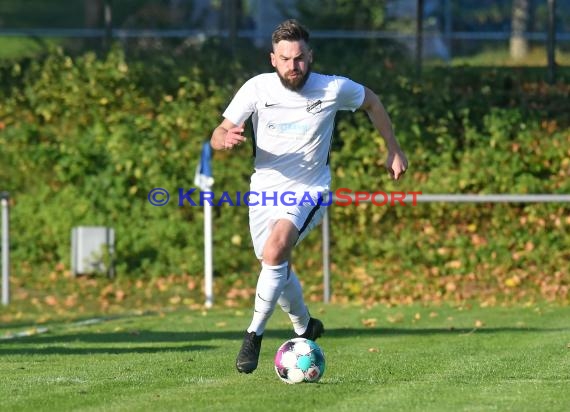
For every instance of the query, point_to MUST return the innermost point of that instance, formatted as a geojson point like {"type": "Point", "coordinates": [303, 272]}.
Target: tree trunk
{"type": "Point", "coordinates": [518, 41]}
{"type": "Point", "coordinates": [93, 16]}
{"type": "Point", "coordinates": [93, 13]}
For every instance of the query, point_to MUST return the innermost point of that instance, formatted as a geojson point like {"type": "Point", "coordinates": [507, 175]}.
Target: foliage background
{"type": "Point", "coordinates": [86, 135]}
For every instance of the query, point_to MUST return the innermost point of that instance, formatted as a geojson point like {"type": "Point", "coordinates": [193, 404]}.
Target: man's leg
{"type": "Point", "coordinates": [270, 284]}
{"type": "Point", "coordinates": [291, 301]}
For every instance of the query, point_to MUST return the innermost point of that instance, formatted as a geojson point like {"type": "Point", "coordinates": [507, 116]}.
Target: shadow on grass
{"type": "Point", "coordinates": [75, 321]}
{"type": "Point", "coordinates": [70, 343]}
{"type": "Point", "coordinates": [65, 350]}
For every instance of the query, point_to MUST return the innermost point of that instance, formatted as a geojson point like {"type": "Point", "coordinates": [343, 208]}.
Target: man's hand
{"type": "Point", "coordinates": [396, 164]}
{"type": "Point", "coordinates": [227, 135]}
{"type": "Point", "coordinates": [234, 137]}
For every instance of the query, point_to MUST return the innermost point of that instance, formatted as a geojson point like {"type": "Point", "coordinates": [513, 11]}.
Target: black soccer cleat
{"type": "Point", "coordinates": [315, 329]}
{"type": "Point", "coordinates": [248, 355]}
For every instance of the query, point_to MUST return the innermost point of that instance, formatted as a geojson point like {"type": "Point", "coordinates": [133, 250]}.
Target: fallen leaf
{"type": "Point", "coordinates": [50, 300]}
{"type": "Point", "coordinates": [396, 318]}
{"type": "Point", "coordinates": [369, 323]}
{"type": "Point", "coordinates": [453, 264]}
{"type": "Point", "coordinates": [120, 295]}
{"type": "Point", "coordinates": [513, 281]}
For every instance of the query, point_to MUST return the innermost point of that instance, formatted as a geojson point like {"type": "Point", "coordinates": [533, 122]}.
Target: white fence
{"type": "Point", "coordinates": [435, 198]}
{"type": "Point", "coordinates": [209, 298]}
{"type": "Point", "coordinates": [5, 244]}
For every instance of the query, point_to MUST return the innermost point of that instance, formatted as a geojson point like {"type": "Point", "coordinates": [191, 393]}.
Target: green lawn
{"type": "Point", "coordinates": [21, 47]}
{"type": "Point", "coordinates": [414, 358]}
{"type": "Point", "coordinates": [537, 57]}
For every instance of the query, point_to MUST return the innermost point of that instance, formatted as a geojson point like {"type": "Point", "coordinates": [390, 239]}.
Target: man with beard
{"type": "Point", "coordinates": [293, 113]}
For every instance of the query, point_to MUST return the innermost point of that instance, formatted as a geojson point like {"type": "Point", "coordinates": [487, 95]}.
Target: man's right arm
{"type": "Point", "coordinates": [227, 135]}
{"type": "Point", "coordinates": [397, 163]}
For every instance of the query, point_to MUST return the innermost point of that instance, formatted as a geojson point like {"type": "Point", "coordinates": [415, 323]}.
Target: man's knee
{"type": "Point", "coordinates": [275, 252]}
{"type": "Point", "coordinates": [280, 243]}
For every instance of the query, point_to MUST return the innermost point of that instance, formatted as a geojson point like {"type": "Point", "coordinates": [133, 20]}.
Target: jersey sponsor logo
{"type": "Point", "coordinates": [291, 131]}
{"type": "Point", "coordinates": [314, 106]}
{"type": "Point", "coordinates": [270, 104]}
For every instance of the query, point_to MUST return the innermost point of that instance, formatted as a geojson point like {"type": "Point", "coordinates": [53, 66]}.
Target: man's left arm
{"type": "Point", "coordinates": [396, 163]}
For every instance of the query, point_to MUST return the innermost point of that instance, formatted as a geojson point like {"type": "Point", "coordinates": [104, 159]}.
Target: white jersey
{"type": "Point", "coordinates": [293, 130]}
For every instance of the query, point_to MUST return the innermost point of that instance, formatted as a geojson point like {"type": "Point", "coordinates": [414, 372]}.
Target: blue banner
{"type": "Point", "coordinates": [203, 178]}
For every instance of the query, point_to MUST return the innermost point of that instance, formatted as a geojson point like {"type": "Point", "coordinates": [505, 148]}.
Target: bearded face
{"type": "Point", "coordinates": [292, 61]}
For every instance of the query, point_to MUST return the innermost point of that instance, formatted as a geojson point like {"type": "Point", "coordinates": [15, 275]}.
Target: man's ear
{"type": "Point", "coordinates": [273, 59]}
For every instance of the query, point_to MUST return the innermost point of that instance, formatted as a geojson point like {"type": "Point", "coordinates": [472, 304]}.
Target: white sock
{"type": "Point", "coordinates": [270, 284]}
{"type": "Point", "coordinates": [292, 303]}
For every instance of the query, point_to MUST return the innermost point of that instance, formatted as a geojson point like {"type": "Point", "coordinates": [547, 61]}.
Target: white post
{"type": "Point", "coordinates": [208, 266]}
{"type": "Point", "coordinates": [204, 180]}
{"type": "Point", "coordinates": [326, 257]}
{"type": "Point", "coordinates": [5, 250]}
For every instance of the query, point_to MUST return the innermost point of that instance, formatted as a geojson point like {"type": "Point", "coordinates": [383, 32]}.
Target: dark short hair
{"type": "Point", "coordinates": [290, 30]}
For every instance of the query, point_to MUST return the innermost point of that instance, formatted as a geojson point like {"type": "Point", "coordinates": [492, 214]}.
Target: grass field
{"type": "Point", "coordinates": [412, 358]}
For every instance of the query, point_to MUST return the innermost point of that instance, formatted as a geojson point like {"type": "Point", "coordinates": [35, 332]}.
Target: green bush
{"type": "Point", "coordinates": [85, 138]}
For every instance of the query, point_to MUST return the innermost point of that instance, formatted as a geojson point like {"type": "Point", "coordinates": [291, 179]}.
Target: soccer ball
{"type": "Point", "coordinates": [299, 360]}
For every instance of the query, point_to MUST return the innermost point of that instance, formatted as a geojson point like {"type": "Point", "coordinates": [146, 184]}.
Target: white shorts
{"type": "Point", "coordinates": [262, 218]}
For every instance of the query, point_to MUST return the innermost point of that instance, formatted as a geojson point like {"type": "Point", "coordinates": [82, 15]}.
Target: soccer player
{"type": "Point", "coordinates": [293, 112]}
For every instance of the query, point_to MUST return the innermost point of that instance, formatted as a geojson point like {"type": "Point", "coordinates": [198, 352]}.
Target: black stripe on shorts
{"type": "Point", "coordinates": [311, 214]}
